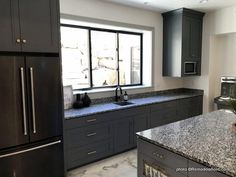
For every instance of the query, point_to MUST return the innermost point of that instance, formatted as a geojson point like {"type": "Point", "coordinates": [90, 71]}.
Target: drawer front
{"type": "Point", "coordinates": [148, 166]}
{"type": "Point", "coordinates": [195, 170]}
{"type": "Point", "coordinates": [80, 156]}
{"type": "Point", "coordinates": [87, 121]}
{"type": "Point", "coordinates": [163, 106]}
{"type": "Point", "coordinates": [162, 117]}
{"type": "Point", "coordinates": [87, 135]}
{"type": "Point", "coordinates": [162, 156]}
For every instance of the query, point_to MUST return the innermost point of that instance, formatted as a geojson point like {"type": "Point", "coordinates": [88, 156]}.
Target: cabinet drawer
{"type": "Point", "coordinates": [163, 106]}
{"type": "Point", "coordinates": [162, 156]}
{"type": "Point", "coordinates": [148, 166]}
{"type": "Point", "coordinates": [87, 120]}
{"type": "Point", "coordinates": [159, 118]}
{"type": "Point", "coordinates": [198, 171]}
{"type": "Point", "coordinates": [90, 153]}
{"type": "Point", "coordinates": [87, 135]}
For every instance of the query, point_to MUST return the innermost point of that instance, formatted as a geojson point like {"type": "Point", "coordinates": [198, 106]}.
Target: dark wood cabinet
{"type": "Point", "coordinates": [9, 26]}
{"type": "Point", "coordinates": [182, 42]}
{"type": "Point", "coordinates": [29, 26]}
{"type": "Point", "coordinates": [140, 123]}
{"type": "Point", "coordinates": [30, 99]}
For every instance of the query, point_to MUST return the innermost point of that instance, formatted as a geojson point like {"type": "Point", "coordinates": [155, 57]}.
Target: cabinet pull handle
{"type": "Point", "coordinates": [92, 152]}
{"type": "Point", "coordinates": [18, 41]}
{"type": "Point", "coordinates": [24, 41]}
{"type": "Point", "coordinates": [23, 99]}
{"type": "Point", "coordinates": [32, 99]}
{"type": "Point", "coordinates": [91, 134]}
{"type": "Point", "coordinates": [91, 120]}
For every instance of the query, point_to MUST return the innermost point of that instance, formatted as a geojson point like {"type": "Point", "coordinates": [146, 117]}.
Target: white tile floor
{"type": "Point", "coordinates": [122, 165]}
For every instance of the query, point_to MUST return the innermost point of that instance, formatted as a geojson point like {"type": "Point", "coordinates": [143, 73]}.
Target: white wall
{"type": "Point", "coordinates": [218, 54]}
{"type": "Point", "coordinates": [118, 13]}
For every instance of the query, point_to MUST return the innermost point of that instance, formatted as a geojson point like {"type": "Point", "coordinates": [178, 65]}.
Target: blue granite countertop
{"type": "Point", "coordinates": [100, 108]}
{"type": "Point", "coordinates": [207, 139]}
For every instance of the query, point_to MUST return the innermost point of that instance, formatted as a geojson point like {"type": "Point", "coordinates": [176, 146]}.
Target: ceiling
{"type": "Point", "coordinates": [167, 5]}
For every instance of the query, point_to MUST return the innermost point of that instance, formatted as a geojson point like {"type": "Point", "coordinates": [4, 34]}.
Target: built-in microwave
{"type": "Point", "coordinates": [190, 68]}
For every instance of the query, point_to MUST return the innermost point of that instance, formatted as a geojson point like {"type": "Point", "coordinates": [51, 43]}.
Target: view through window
{"type": "Point", "coordinates": [98, 58]}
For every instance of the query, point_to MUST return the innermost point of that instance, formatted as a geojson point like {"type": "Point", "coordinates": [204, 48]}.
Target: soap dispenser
{"type": "Point", "coordinates": [126, 97]}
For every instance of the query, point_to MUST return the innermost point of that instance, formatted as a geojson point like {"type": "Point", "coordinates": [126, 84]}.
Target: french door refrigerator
{"type": "Point", "coordinates": [30, 117]}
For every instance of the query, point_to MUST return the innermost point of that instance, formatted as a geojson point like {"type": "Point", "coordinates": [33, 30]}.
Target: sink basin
{"type": "Point", "coordinates": [123, 103]}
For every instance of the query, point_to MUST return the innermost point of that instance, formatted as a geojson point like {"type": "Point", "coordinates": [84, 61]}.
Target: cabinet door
{"type": "Point", "coordinates": [39, 25]}
{"type": "Point", "coordinates": [192, 38]}
{"type": "Point", "coordinates": [43, 162]}
{"type": "Point", "coordinates": [44, 83]}
{"type": "Point", "coordinates": [123, 134]}
{"type": "Point", "coordinates": [196, 38]}
{"type": "Point", "coordinates": [9, 26]}
{"type": "Point", "coordinates": [140, 123]}
{"type": "Point", "coordinates": [13, 104]}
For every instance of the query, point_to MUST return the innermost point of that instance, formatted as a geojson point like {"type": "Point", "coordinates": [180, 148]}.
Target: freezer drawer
{"type": "Point", "coordinates": [41, 161]}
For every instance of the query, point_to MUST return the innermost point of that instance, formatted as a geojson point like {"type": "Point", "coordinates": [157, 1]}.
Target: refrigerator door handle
{"type": "Point", "coordinates": [30, 149]}
{"type": "Point", "coordinates": [23, 99]}
{"type": "Point", "coordinates": [32, 98]}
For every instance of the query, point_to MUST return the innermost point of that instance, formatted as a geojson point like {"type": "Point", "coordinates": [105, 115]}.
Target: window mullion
{"type": "Point", "coordinates": [118, 57]}
{"type": "Point", "coordinates": [90, 60]}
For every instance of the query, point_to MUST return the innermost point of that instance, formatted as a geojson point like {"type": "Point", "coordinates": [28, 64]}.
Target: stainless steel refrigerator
{"type": "Point", "coordinates": [30, 117]}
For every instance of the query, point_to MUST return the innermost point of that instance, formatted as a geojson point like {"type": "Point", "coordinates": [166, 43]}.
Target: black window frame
{"type": "Point", "coordinates": [90, 54]}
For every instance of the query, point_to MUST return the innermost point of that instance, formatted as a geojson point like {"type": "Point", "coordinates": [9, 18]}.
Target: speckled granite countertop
{"type": "Point", "coordinates": [207, 139]}
{"type": "Point", "coordinates": [100, 108]}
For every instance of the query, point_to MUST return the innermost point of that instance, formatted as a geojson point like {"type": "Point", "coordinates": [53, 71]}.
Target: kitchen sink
{"type": "Point", "coordinates": [123, 103]}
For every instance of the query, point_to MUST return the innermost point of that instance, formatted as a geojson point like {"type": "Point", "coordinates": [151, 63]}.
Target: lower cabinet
{"type": "Point", "coordinates": [93, 137]}
{"type": "Point", "coordinates": [123, 134]}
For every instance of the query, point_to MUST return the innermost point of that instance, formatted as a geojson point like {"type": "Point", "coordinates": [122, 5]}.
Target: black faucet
{"type": "Point", "coordinates": [118, 97]}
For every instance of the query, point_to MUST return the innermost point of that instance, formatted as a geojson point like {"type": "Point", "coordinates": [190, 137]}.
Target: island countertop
{"type": "Point", "coordinates": [207, 139]}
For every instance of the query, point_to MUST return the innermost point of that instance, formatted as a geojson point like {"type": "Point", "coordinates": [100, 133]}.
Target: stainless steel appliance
{"type": "Point", "coordinates": [227, 83]}
{"type": "Point", "coordinates": [190, 68]}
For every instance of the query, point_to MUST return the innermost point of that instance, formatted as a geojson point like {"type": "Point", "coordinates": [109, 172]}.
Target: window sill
{"type": "Point", "coordinates": [102, 90]}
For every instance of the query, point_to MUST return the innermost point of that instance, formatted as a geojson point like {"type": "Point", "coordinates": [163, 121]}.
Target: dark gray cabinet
{"type": "Point", "coordinates": [182, 42]}
{"type": "Point", "coordinates": [97, 136]}
{"type": "Point", "coordinates": [123, 134]}
{"type": "Point", "coordinates": [29, 26]}
{"type": "Point", "coordinates": [172, 111]}
{"type": "Point", "coordinates": [164, 113]}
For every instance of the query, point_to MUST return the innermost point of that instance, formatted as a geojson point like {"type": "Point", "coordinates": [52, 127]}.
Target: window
{"type": "Point", "coordinates": [98, 58]}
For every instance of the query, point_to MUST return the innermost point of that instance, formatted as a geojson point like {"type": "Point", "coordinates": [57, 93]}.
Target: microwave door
{"type": "Point", "coordinates": [190, 68]}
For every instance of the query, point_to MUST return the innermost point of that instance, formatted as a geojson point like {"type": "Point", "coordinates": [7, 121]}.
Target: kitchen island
{"type": "Point", "coordinates": [202, 146]}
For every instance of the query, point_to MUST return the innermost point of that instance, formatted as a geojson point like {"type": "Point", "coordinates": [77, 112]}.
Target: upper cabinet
{"type": "Point", "coordinates": [29, 26]}
{"type": "Point", "coordinates": [182, 43]}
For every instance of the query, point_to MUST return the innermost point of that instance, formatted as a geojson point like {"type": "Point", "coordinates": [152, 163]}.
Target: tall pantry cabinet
{"type": "Point", "coordinates": [31, 112]}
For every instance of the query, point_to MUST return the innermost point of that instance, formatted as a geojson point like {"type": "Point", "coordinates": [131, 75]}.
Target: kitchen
{"type": "Point", "coordinates": [153, 94]}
